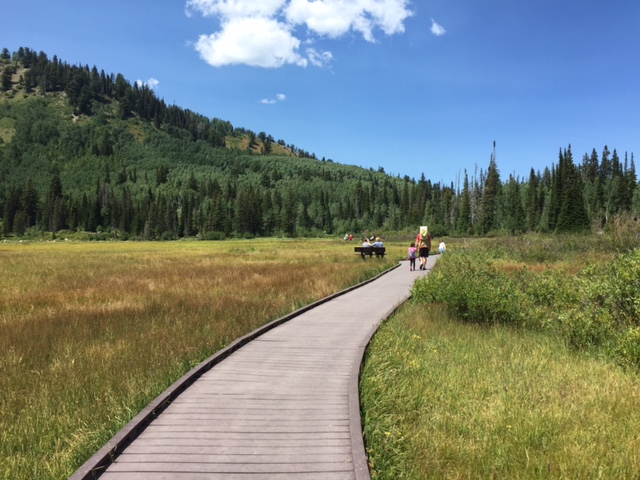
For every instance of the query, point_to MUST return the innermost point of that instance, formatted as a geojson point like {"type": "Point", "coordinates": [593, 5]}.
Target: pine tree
{"type": "Point", "coordinates": [632, 182]}
{"type": "Point", "coordinates": [490, 196]}
{"type": "Point", "coordinates": [53, 215]}
{"type": "Point", "coordinates": [288, 213]}
{"type": "Point", "coordinates": [464, 217]}
{"type": "Point", "coordinates": [532, 203]}
{"type": "Point", "coordinates": [592, 183]}
{"type": "Point", "coordinates": [30, 203]}
{"type": "Point", "coordinates": [5, 79]}
{"type": "Point", "coordinates": [517, 220]}
{"type": "Point", "coordinates": [12, 205]}
{"type": "Point", "coordinates": [573, 214]}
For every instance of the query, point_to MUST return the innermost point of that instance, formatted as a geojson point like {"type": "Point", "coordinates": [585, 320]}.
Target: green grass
{"type": "Point", "coordinates": [451, 400]}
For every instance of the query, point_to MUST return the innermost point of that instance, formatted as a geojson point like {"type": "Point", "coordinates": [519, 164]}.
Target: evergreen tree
{"type": "Point", "coordinates": [30, 203]}
{"type": "Point", "coordinates": [464, 218]}
{"type": "Point", "coordinates": [12, 205]}
{"type": "Point", "coordinates": [544, 199]}
{"type": "Point", "coordinates": [556, 194]}
{"type": "Point", "coordinates": [288, 213]}
{"type": "Point", "coordinates": [532, 203]}
{"type": "Point", "coordinates": [573, 214]}
{"type": "Point", "coordinates": [516, 216]}
{"type": "Point", "coordinates": [632, 182]}
{"type": "Point", "coordinates": [327, 219]}
{"type": "Point", "coordinates": [53, 209]}
{"type": "Point", "coordinates": [490, 196]}
{"type": "Point", "coordinates": [269, 217]}
{"type": "Point", "coordinates": [5, 79]}
{"type": "Point", "coordinates": [592, 183]}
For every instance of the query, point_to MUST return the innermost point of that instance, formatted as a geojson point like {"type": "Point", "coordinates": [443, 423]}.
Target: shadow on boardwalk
{"type": "Point", "coordinates": [281, 403]}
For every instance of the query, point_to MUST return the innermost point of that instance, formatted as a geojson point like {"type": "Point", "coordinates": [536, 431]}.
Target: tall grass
{"type": "Point", "coordinates": [506, 364]}
{"type": "Point", "coordinates": [445, 399]}
{"type": "Point", "coordinates": [577, 289]}
{"type": "Point", "coordinates": [90, 333]}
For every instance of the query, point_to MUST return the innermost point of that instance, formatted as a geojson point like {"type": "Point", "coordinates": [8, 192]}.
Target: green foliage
{"type": "Point", "coordinates": [474, 289]}
{"type": "Point", "coordinates": [598, 308]}
{"type": "Point", "coordinates": [608, 313]}
{"type": "Point", "coordinates": [623, 232]}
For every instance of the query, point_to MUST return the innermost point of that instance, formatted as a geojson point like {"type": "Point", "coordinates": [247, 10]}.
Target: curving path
{"type": "Point", "coordinates": [284, 406]}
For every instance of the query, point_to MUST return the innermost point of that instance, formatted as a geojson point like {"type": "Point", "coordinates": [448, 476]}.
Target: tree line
{"type": "Point", "coordinates": [127, 165]}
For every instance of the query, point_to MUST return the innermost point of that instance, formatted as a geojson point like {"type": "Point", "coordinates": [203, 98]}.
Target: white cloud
{"type": "Point", "coordinates": [335, 18]}
{"type": "Point", "coordinates": [235, 8]}
{"type": "Point", "coordinates": [324, 17]}
{"type": "Point", "coordinates": [152, 83]}
{"type": "Point", "coordinates": [258, 42]}
{"type": "Point", "coordinates": [267, 33]}
{"type": "Point", "coordinates": [280, 97]}
{"type": "Point", "coordinates": [319, 59]}
{"type": "Point", "coordinates": [436, 29]}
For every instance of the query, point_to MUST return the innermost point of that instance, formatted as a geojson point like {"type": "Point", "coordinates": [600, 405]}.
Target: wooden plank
{"type": "Point", "coordinates": [240, 443]}
{"type": "Point", "coordinates": [268, 449]}
{"type": "Point", "coordinates": [109, 475]}
{"type": "Point", "coordinates": [242, 462]}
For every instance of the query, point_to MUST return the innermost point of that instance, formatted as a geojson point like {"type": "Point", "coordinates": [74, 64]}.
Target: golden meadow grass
{"type": "Point", "coordinates": [91, 332]}
{"type": "Point", "coordinates": [451, 400]}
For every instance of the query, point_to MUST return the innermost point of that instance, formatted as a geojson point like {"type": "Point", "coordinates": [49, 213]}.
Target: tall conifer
{"type": "Point", "coordinates": [573, 214]}
{"type": "Point", "coordinates": [490, 196]}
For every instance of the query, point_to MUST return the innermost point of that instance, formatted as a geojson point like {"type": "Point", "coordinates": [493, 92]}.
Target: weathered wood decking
{"type": "Point", "coordinates": [284, 406]}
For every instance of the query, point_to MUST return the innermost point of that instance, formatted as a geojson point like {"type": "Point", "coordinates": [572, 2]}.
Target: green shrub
{"type": "Point", "coordinates": [474, 289]}
{"type": "Point", "coordinates": [627, 351]}
{"type": "Point", "coordinates": [599, 308]}
{"type": "Point", "coordinates": [608, 311]}
{"type": "Point", "coordinates": [623, 232]}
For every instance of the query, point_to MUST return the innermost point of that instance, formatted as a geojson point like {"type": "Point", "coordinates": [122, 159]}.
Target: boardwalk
{"type": "Point", "coordinates": [284, 406]}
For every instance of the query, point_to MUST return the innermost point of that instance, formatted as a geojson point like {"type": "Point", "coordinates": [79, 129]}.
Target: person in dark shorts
{"type": "Point", "coordinates": [423, 252]}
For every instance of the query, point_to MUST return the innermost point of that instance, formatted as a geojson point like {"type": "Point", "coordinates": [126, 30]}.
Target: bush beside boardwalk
{"type": "Point", "coordinates": [591, 301]}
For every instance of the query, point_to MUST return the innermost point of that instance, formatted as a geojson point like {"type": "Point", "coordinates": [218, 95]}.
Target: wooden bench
{"type": "Point", "coordinates": [364, 251]}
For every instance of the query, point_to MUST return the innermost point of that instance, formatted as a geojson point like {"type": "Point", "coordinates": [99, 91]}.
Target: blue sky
{"type": "Point", "coordinates": [411, 86]}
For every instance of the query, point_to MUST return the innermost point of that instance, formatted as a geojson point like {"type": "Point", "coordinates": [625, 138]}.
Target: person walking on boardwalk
{"type": "Point", "coordinates": [425, 246]}
{"type": "Point", "coordinates": [411, 255]}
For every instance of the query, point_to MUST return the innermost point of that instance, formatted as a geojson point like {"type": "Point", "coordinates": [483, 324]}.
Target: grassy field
{"type": "Point", "coordinates": [512, 380]}
{"type": "Point", "coordinates": [517, 357]}
{"type": "Point", "coordinates": [91, 332]}
{"type": "Point", "coordinates": [445, 399]}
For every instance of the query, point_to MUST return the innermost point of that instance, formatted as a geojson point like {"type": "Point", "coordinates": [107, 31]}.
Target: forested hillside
{"type": "Point", "coordinates": [82, 150]}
